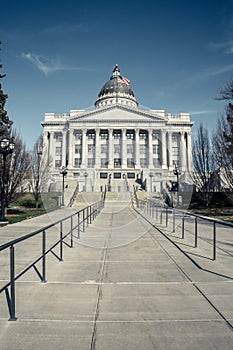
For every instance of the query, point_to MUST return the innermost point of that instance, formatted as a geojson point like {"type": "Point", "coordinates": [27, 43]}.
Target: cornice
{"type": "Point", "coordinates": [121, 107]}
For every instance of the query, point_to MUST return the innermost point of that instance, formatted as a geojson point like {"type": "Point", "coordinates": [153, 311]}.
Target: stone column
{"type": "Point", "coordinates": [110, 149]}
{"type": "Point", "coordinates": [71, 149]}
{"type": "Point", "coordinates": [84, 149]}
{"type": "Point", "coordinates": [170, 158]}
{"type": "Point", "coordinates": [164, 149]}
{"type": "Point", "coordinates": [51, 148]}
{"type": "Point", "coordinates": [97, 148]}
{"type": "Point", "coordinates": [189, 152]}
{"type": "Point", "coordinates": [183, 152]}
{"type": "Point", "coordinates": [137, 150]}
{"type": "Point", "coordinates": [63, 159]}
{"type": "Point", "coordinates": [150, 149]}
{"type": "Point", "coordinates": [124, 150]}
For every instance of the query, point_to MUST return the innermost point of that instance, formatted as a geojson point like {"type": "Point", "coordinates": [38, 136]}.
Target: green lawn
{"type": "Point", "coordinates": [220, 213]}
{"type": "Point", "coordinates": [24, 207]}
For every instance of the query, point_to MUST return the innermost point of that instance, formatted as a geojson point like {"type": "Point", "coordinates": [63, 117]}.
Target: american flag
{"type": "Point", "coordinates": [123, 80]}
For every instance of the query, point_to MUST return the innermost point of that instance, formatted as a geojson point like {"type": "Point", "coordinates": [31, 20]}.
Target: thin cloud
{"type": "Point", "coordinates": [227, 46]}
{"type": "Point", "coordinates": [201, 112]}
{"type": "Point", "coordinates": [62, 28]}
{"type": "Point", "coordinates": [218, 70]}
{"type": "Point", "coordinates": [208, 73]}
{"type": "Point", "coordinates": [47, 65]}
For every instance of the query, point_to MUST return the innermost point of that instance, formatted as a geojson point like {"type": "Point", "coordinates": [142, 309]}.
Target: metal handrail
{"type": "Point", "coordinates": [74, 195]}
{"type": "Point", "coordinates": [156, 212]}
{"type": "Point", "coordinates": [84, 217]}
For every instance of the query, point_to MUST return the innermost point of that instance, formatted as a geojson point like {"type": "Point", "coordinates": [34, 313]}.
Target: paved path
{"type": "Point", "coordinates": [123, 286]}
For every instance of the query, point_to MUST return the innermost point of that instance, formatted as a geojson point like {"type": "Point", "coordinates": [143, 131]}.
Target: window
{"type": "Point", "coordinates": [117, 162]}
{"type": "Point", "coordinates": [91, 149]}
{"type": "Point", "coordinates": [155, 136]}
{"type": "Point", "coordinates": [117, 135]}
{"type": "Point", "coordinates": [90, 162]}
{"type": "Point", "coordinates": [104, 162]}
{"type": "Point", "coordinates": [57, 163]}
{"type": "Point", "coordinates": [131, 175]}
{"type": "Point", "coordinates": [91, 135]}
{"type": "Point", "coordinates": [78, 135]}
{"type": "Point", "coordinates": [143, 149]}
{"type": "Point", "coordinates": [156, 162]}
{"type": "Point", "coordinates": [174, 137]}
{"type": "Point", "coordinates": [58, 136]}
{"type": "Point", "coordinates": [103, 175]}
{"type": "Point", "coordinates": [104, 135]}
{"type": "Point", "coordinates": [78, 149]}
{"type": "Point", "coordinates": [77, 162]}
{"type": "Point", "coordinates": [156, 149]}
{"type": "Point", "coordinates": [130, 162]}
{"type": "Point", "coordinates": [143, 162]}
{"type": "Point", "coordinates": [117, 175]}
{"type": "Point", "coordinates": [175, 151]}
{"type": "Point", "coordinates": [142, 135]}
{"type": "Point", "coordinates": [76, 175]}
{"type": "Point", "coordinates": [104, 149]}
{"type": "Point", "coordinates": [58, 151]}
{"type": "Point", "coordinates": [130, 135]}
{"type": "Point", "coordinates": [130, 148]}
{"type": "Point", "coordinates": [117, 148]}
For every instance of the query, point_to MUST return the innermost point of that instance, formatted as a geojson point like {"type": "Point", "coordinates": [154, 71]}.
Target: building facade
{"type": "Point", "coordinates": [117, 143]}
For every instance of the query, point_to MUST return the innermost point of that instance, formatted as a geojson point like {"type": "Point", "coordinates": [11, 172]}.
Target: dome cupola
{"type": "Point", "coordinates": [116, 90]}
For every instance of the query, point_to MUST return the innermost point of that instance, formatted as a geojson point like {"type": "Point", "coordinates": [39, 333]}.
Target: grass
{"type": "Point", "coordinates": [219, 213]}
{"type": "Point", "coordinates": [23, 207]}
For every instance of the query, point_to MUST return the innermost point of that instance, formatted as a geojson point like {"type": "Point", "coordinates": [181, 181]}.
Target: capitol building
{"type": "Point", "coordinates": [117, 143]}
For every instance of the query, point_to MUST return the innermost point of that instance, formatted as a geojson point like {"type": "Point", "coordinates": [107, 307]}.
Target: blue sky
{"type": "Point", "coordinates": [57, 55]}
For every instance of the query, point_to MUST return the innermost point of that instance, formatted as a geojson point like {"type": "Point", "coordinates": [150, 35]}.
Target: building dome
{"type": "Point", "coordinates": [116, 90]}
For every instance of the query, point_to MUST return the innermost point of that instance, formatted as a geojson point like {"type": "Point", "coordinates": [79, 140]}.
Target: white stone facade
{"type": "Point", "coordinates": [118, 144]}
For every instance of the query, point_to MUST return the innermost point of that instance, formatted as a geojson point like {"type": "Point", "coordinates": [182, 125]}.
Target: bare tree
{"type": "Point", "coordinates": [223, 139]}
{"type": "Point", "coordinates": [226, 93]}
{"type": "Point", "coordinates": [40, 166]}
{"type": "Point", "coordinates": [203, 164]}
{"type": "Point", "coordinates": [17, 168]}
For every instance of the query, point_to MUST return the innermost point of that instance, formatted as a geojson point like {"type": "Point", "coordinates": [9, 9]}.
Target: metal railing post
{"type": "Point", "coordinates": [174, 220]}
{"type": "Point", "coordinates": [195, 233]}
{"type": "Point", "coordinates": [79, 224]}
{"type": "Point", "coordinates": [83, 216]}
{"type": "Point", "coordinates": [214, 240]}
{"type": "Point", "coordinates": [61, 242]}
{"type": "Point", "coordinates": [91, 213]}
{"type": "Point", "coordinates": [182, 227]}
{"type": "Point", "coordinates": [87, 214]}
{"type": "Point", "coordinates": [43, 257]}
{"type": "Point", "coordinates": [71, 232]}
{"type": "Point", "coordinates": [12, 284]}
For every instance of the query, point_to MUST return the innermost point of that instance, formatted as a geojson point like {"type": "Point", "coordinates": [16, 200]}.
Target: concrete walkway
{"type": "Point", "coordinates": [123, 286]}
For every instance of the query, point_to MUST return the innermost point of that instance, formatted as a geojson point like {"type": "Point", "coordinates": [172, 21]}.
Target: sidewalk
{"type": "Point", "coordinates": [122, 286]}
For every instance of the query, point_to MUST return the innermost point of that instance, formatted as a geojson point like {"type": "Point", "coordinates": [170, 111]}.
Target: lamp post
{"type": "Point", "coordinates": [63, 172]}
{"type": "Point", "coordinates": [151, 177]}
{"type": "Point", "coordinates": [176, 172]}
{"type": "Point", "coordinates": [85, 175]}
{"type": "Point", "coordinates": [6, 147]}
{"type": "Point", "coordinates": [38, 179]}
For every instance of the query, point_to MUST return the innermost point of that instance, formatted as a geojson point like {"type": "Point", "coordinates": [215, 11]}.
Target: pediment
{"type": "Point", "coordinates": [117, 113]}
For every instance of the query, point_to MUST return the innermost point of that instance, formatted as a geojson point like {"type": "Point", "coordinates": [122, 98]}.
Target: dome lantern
{"type": "Point", "coordinates": [116, 90]}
